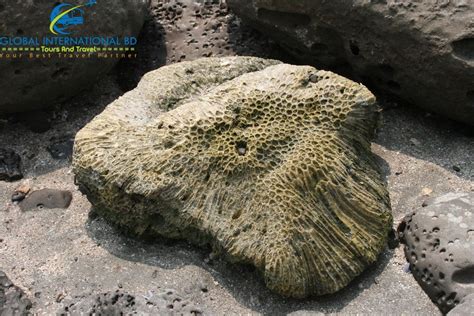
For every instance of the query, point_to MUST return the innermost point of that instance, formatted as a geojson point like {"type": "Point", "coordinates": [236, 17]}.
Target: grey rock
{"type": "Point", "coordinates": [29, 84]}
{"type": "Point", "coordinates": [121, 303]}
{"type": "Point", "coordinates": [439, 245]}
{"type": "Point", "coordinates": [13, 300]}
{"type": "Point", "coordinates": [46, 198]}
{"type": "Point", "coordinates": [421, 51]}
{"type": "Point", "coordinates": [464, 308]}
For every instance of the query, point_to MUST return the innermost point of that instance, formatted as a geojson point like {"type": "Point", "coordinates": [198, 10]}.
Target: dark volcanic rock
{"type": "Point", "coordinates": [33, 83]}
{"type": "Point", "coordinates": [422, 51]}
{"type": "Point", "coordinates": [439, 242]}
{"type": "Point", "coordinates": [46, 198]}
{"type": "Point", "coordinates": [10, 165]}
{"type": "Point", "coordinates": [13, 300]}
{"type": "Point", "coordinates": [121, 303]}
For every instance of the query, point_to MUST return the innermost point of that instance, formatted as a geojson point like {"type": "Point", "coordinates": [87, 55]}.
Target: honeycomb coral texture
{"type": "Point", "coordinates": [267, 162]}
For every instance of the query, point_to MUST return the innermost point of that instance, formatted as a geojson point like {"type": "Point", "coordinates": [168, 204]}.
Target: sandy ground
{"type": "Point", "coordinates": [61, 256]}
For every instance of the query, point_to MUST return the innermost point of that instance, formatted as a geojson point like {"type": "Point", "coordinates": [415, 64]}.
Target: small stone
{"type": "Point", "coordinates": [18, 196]}
{"type": "Point", "coordinates": [415, 142]}
{"type": "Point", "coordinates": [59, 298]}
{"type": "Point", "coordinates": [426, 191]}
{"type": "Point", "coordinates": [20, 193]}
{"type": "Point", "coordinates": [46, 198]}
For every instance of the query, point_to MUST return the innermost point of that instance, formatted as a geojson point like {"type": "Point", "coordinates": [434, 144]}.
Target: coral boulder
{"type": "Point", "coordinates": [267, 162]}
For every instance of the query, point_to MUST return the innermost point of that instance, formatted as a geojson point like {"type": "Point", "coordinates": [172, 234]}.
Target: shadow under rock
{"type": "Point", "coordinates": [241, 281]}
{"type": "Point", "coordinates": [427, 137]}
{"type": "Point", "coordinates": [151, 48]}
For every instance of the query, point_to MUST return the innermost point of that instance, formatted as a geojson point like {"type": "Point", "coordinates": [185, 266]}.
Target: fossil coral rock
{"type": "Point", "coordinates": [421, 51]}
{"type": "Point", "coordinates": [269, 163]}
{"type": "Point", "coordinates": [440, 246]}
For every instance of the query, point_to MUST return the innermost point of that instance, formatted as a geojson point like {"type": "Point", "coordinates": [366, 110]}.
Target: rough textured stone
{"type": "Point", "coordinates": [28, 84]}
{"type": "Point", "coordinates": [269, 163]}
{"type": "Point", "coordinates": [440, 246]}
{"type": "Point", "coordinates": [465, 307]}
{"type": "Point", "coordinates": [422, 51]}
{"type": "Point", "coordinates": [13, 301]}
{"type": "Point", "coordinates": [121, 303]}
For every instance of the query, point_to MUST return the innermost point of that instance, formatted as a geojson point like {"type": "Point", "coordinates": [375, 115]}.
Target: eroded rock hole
{"type": "Point", "coordinates": [354, 48]}
{"type": "Point", "coordinates": [284, 18]}
{"type": "Point", "coordinates": [464, 48]}
{"type": "Point", "coordinates": [464, 276]}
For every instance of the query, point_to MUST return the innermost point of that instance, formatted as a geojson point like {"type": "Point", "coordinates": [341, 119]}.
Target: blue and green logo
{"type": "Point", "coordinates": [66, 15]}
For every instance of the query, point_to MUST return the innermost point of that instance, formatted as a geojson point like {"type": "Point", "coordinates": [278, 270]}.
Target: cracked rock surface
{"type": "Point", "coordinates": [267, 162]}
{"type": "Point", "coordinates": [440, 245]}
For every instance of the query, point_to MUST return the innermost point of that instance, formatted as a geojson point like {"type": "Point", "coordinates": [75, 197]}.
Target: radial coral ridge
{"type": "Point", "coordinates": [269, 163]}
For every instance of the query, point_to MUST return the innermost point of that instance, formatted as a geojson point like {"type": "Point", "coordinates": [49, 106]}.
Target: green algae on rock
{"type": "Point", "coordinates": [269, 163]}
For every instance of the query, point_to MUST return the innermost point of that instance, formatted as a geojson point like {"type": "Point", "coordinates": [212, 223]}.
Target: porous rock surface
{"type": "Point", "coordinates": [267, 162]}
{"type": "Point", "coordinates": [440, 246]}
{"type": "Point", "coordinates": [122, 303]}
{"type": "Point", "coordinates": [421, 51]}
{"type": "Point", "coordinates": [13, 301]}
{"type": "Point", "coordinates": [32, 83]}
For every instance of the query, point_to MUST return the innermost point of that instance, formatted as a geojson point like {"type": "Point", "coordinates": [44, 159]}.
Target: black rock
{"type": "Point", "coordinates": [439, 245]}
{"type": "Point", "coordinates": [18, 196]}
{"type": "Point", "coordinates": [13, 300]}
{"type": "Point", "coordinates": [46, 198]}
{"type": "Point", "coordinates": [10, 165]}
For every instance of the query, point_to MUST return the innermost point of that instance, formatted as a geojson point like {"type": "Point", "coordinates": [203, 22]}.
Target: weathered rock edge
{"type": "Point", "coordinates": [269, 163]}
{"type": "Point", "coordinates": [420, 51]}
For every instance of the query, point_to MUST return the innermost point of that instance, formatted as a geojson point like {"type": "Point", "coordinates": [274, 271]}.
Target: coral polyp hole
{"type": "Point", "coordinates": [241, 147]}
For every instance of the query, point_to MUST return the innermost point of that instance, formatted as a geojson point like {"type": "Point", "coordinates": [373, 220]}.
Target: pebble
{"type": "Point", "coordinates": [46, 198]}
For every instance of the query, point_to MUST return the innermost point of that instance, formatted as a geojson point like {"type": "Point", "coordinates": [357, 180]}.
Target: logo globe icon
{"type": "Point", "coordinates": [65, 15]}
